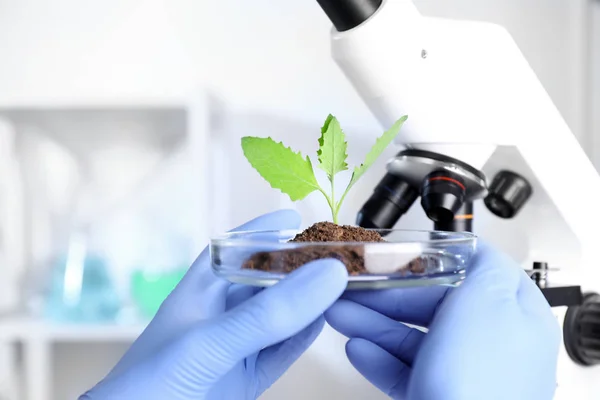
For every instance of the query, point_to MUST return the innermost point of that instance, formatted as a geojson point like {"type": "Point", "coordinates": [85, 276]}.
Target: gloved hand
{"type": "Point", "coordinates": [493, 337]}
{"type": "Point", "coordinates": [212, 340]}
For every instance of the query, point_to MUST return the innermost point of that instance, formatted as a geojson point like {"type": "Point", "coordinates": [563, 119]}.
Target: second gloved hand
{"type": "Point", "coordinates": [493, 338]}
{"type": "Point", "coordinates": [212, 340]}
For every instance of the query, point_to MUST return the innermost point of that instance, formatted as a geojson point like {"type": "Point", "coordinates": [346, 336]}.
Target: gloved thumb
{"type": "Point", "coordinates": [269, 317]}
{"type": "Point", "coordinates": [491, 270]}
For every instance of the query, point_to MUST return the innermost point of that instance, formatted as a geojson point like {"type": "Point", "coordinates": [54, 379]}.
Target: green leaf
{"type": "Point", "coordinates": [282, 168]}
{"type": "Point", "coordinates": [380, 145]}
{"type": "Point", "coordinates": [332, 148]}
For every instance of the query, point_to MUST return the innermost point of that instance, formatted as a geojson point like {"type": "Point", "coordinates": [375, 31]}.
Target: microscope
{"type": "Point", "coordinates": [480, 127]}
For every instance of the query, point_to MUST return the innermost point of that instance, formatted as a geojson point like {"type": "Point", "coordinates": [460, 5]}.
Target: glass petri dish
{"type": "Point", "coordinates": [406, 258]}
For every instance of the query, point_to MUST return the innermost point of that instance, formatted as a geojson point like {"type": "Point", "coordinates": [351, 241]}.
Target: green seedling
{"type": "Point", "coordinates": [293, 174]}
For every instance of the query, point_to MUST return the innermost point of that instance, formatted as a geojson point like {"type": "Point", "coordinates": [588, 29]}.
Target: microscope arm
{"type": "Point", "coordinates": [467, 89]}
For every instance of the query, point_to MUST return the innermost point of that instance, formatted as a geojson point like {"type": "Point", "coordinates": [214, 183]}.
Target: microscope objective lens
{"type": "Point", "coordinates": [391, 198]}
{"type": "Point", "coordinates": [442, 195]}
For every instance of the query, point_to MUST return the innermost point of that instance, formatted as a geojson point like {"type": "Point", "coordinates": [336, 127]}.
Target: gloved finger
{"type": "Point", "coordinates": [199, 295]}
{"type": "Point", "coordinates": [492, 271]}
{"type": "Point", "coordinates": [416, 306]}
{"type": "Point", "coordinates": [270, 317]}
{"type": "Point", "coordinates": [274, 361]}
{"type": "Point", "coordinates": [531, 299]}
{"type": "Point", "coordinates": [237, 294]}
{"type": "Point", "coordinates": [488, 259]}
{"type": "Point", "coordinates": [358, 322]}
{"type": "Point", "coordinates": [379, 367]}
{"type": "Point", "coordinates": [200, 281]}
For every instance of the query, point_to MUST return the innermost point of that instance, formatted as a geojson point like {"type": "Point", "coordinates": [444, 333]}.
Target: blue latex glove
{"type": "Point", "coordinates": [493, 337]}
{"type": "Point", "coordinates": [212, 340]}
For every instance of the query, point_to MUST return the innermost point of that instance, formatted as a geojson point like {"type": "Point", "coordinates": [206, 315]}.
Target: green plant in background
{"type": "Point", "coordinates": [293, 174]}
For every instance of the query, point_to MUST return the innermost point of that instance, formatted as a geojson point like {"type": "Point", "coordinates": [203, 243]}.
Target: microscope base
{"type": "Point", "coordinates": [563, 296]}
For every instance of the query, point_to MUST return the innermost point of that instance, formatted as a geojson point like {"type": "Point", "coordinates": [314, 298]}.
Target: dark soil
{"type": "Point", "coordinates": [351, 256]}
{"type": "Point", "coordinates": [328, 232]}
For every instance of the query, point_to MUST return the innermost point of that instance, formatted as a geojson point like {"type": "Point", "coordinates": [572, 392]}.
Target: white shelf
{"type": "Point", "coordinates": [33, 352]}
{"type": "Point", "coordinates": [24, 329]}
{"type": "Point", "coordinates": [87, 102]}
{"type": "Point", "coordinates": [38, 338]}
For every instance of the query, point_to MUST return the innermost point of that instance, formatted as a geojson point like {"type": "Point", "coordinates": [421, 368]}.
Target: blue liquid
{"type": "Point", "coordinates": [82, 293]}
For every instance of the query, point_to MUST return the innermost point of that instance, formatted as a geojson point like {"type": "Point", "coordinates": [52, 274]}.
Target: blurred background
{"type": "Point", "coordinates": [119, 154]}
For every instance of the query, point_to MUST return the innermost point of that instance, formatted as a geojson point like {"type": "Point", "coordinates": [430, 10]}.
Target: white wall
{"type": "Point", "coordinates": [260, 54]}
{"type": "Point", "coordinates": [594, 106]}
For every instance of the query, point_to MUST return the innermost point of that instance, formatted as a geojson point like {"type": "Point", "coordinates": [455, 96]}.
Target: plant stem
{"type": "Point", "coordinates": [333, 205]}
{"type": "Point", "coordinates": [339, 204]}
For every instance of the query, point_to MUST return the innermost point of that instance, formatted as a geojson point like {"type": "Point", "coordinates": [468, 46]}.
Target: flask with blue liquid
{"type": "Point", "coordinates": [81, 289]}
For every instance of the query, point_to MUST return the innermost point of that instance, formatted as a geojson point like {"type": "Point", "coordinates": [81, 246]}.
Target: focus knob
{"type": "Point", "coordinates": [507, 194]}
{"type": "Point", "coordinates": [581, 331]}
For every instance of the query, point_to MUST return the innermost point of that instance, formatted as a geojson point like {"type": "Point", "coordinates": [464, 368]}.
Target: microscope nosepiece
{"type": "Point", "coordinates": [390, 200]}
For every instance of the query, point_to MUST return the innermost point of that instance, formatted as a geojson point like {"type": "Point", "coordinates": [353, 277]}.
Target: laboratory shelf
{"type": "Point", "coordinates": [23, 329]}
{"type": "Point", "coordinates": [174, 133]}
{"type": "Point", "coordinates": [28, 350]}
{"type": "Point", "coordinates": [180, 99]}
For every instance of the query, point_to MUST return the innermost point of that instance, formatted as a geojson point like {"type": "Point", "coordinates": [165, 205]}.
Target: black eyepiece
{"type": "Point", "coordinates": [348, 14]}
{"type": "Point", "coordinates": [442, 195]}
{"type": "Point", "coordinates": [390, 200]}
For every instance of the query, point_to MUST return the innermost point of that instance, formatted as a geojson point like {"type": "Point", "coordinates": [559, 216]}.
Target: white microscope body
{"type": "Point", "coordinates": [470, 94]}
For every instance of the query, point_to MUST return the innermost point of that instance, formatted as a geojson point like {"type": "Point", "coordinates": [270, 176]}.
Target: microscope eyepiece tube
{"type": "Point", "coordinates": [391, 198]}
